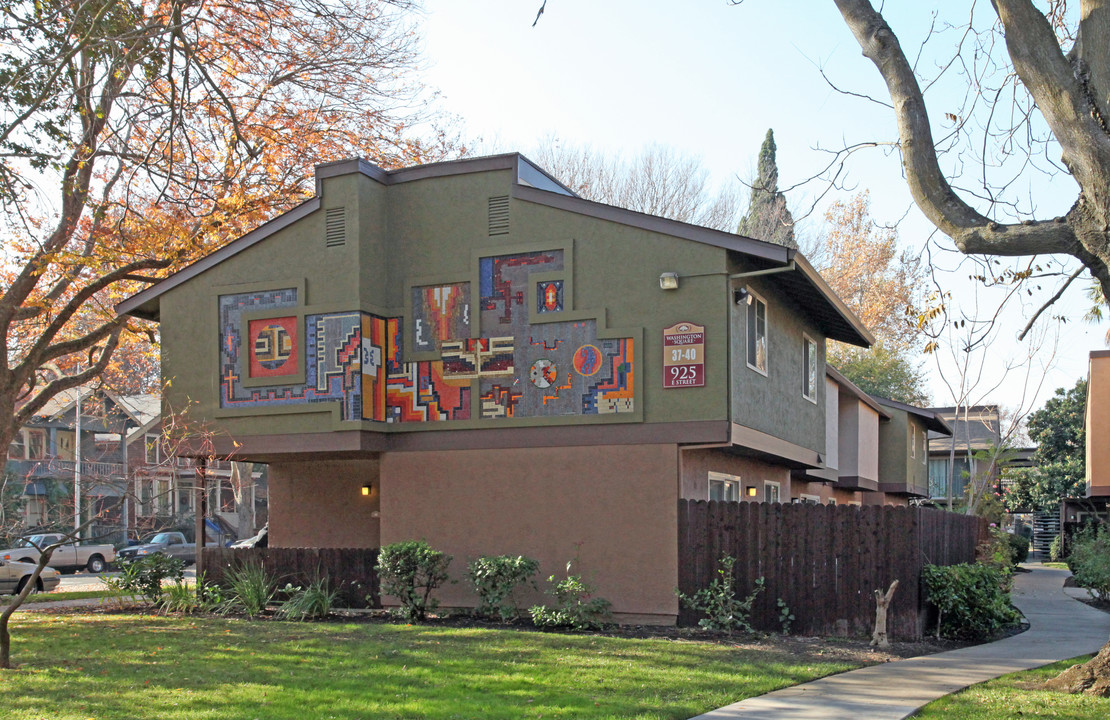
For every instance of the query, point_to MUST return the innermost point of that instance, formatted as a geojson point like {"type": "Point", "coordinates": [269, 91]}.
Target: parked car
{"type": "Point", "coordinates": [170, 544]}
{"type": "Point", "coordinates": [254, 541]}
{"type": "Point", "coordinates": [69, 557]}
{"type": "Point", "coordinates": [14, 575]}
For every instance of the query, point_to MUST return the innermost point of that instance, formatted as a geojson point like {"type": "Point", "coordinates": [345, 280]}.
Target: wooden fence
{"type": "Point", "coordinates": [350, 571]}
{"type": "Point", "coordinates": [823, 561]}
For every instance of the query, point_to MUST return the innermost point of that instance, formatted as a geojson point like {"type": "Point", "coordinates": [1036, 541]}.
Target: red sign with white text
{"type": "Point", "coordinates": [684, 355]}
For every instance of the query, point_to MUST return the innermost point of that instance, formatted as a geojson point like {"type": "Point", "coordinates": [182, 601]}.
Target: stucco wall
{"type": "Point", "coordinates": [1098, 424]}
{"type": "Point", "coordinates": [773, 403]}
{"type": "Point", "coordinates": [320, 504]}
{"type": "Point", "coordinates": [613, 508]}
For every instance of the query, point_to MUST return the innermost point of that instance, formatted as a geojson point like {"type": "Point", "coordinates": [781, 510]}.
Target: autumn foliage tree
{"type": "Point", "coordinates": [882, 284]}
{"type": "Point", "coordinates": [136, 136]}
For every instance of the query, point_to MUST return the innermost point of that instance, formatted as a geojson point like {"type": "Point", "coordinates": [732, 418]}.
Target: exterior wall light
{"type": "Point", "coordinates": [668, 281]}
{"type": "Point", "coordinates": [752, 491]}
{"type": "Point", "coordinates": [367, 488]}
{"type": "Point", "coordinates": [741, 296]}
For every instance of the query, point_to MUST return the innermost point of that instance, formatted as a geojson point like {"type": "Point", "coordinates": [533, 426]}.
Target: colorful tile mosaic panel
{"type": "Point", "coordinates": [439, 313]}
{"type": "Point", "coordinates": [549, 296]}
{"type": "Point", "coordinates": [331, 348]}
{"type": "Point", "coordinates": [273, 347]}
{"type": "Point", "coordinates": [517, 369]}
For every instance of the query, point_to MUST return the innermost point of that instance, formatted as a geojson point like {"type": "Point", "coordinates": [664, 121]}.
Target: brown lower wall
{"type": "Point", "coordinates": [320, 504]}
{"type": "Point", "coordinates": [611, 508]}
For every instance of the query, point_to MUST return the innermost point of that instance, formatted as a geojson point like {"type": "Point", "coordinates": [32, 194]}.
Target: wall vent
{"type": "Point", "coordinates": [499, 215]}
{"type": "Point", "coordinates": [335, 222]}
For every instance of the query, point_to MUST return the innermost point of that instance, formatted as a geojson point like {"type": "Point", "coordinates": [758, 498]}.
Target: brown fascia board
{"type": "Point", "coordinates": [852, 388]}
{"type": "Point", "coordinates": [933, 421]}
{"type": "Point", "coordinates": [838, 305]}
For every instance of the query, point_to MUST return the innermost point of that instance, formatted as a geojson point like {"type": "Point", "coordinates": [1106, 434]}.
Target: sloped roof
{"type": "Point", "coordinates": [799, 280]}
{"type": "Point", "coordinates": [978, 425]}
{"type": "Point", "coordinates": [934, 423]}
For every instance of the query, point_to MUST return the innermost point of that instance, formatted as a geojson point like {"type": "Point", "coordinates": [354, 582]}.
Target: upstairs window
{"type": "Point", "coordinates": [809, 369]}
{"type": "Point", "coordinates": [757, 334]}
{"type": "Point", "coordinates": [153, 448]}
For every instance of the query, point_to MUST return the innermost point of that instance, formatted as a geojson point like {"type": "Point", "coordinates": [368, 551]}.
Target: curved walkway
{"type": "Point", "coordinates": [1060, 627]}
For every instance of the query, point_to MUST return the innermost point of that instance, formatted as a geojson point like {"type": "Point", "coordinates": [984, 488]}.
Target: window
{"type": "Point", "coordinates": [809, 499]}
{"type": "Point", "coordinates": [36, 444]}
{"type": "Point", "coordinates": [770, 492]}
{"type": "Point", "coordinates": [724, 487]}
{"type": "Point", "coordinates": [832, 501]}
{"type": "Point", "coordinates": [938, 477]}
{"type": "Point", "coordinates": [913, 440]}
{"type": "Point", "coordinates": [757, 334]}
{"type": "Point", "coordinates": [809, 369]}
{"type": "Point", "coordinates": [153, 448]}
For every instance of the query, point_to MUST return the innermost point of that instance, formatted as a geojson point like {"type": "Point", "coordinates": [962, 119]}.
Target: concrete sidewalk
{"type": "Point", "coordinates": [1060, 627]}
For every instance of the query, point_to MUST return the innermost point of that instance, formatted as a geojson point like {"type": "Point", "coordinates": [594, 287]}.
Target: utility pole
{"type": "Point", "coordinates": [77, 472]}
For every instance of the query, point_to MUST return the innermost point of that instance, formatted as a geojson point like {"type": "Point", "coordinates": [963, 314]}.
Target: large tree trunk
{"type": "Point", "coordinates": [1092, 678]}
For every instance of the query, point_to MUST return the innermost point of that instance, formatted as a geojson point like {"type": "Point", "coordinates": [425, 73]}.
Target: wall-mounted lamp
{"type": "Point", "coordinates": [367, 488]}
{"type": "Point", "coordinates": [668, 281]}
{"type": "Point", "coordinates": [741, 296]}
{"type": "Point", "coordinates": [752, 492]}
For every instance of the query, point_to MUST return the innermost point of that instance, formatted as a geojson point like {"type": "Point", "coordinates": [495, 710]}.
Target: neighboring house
{"type": "Point", "coordinates": [905, 439]}
{"type": "Point", "coordinates": [975, 428]}
{"type": "Point", "coordinates": [48, 460]}
{"type": "Point", "coordinates": [468, 353]}
{"type": "Point", "coordinates": [128, 477]}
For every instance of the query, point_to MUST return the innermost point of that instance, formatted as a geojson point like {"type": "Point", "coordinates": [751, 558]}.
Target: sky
{"type": "Point", "coordinates": [708, 78]}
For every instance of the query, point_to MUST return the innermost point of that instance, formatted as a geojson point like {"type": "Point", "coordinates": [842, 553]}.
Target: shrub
{"type": "Point", "coordinates": [313, 601]}
{"type": "Point", "coordinates": [410, 571]}
{"type": "Point", "coordinates": [724, 611]}
{"type": "Point", "coordinates": [973, 601]}
{"type": "Point", "coordinates": [1019, 547]}
{"type": "Point", "coordinates": [1089, 561]}
{"type": "Point", "coordinates": [1056, 549]}
{"type": "Point", "coordinates": [178, 598]}
{"type": "Point", "coordinates": [495, 580]}
{"type": "Point", "coordinates": [249, 589]}
{"type": "Point", "coordinates": [575, 606]}
{"type": "Point", "coordinates": [144, 575]}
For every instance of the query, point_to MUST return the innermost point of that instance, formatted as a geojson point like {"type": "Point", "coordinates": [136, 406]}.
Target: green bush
{"type": "Point", "coordinates": [575, 606]}
{"type": "Point", "coordinates": [724, 611]}
{"type": "Point", "coordinates": [973, 601]}
{"type": "Point", "coordinates": [144, 575]}
{"type": "Point", "coordinates": [495, 580]}
{"type": "Point", "coordinates": [1019, 547]}
{"type": "Point", "coordinates": [249, 589]}
{"type": "Point", "coordinates": [1056, 549]}
{"type": "Point", "coordinates": [313, 601]}
{"type": "Point", "coordinates": [410, 571]}
{"type": "Point", "coordinates": [1089, 561]}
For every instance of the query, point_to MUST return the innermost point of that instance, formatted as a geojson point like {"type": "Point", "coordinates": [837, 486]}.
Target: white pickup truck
{"type": "Point", "coordinates": [68, 557]}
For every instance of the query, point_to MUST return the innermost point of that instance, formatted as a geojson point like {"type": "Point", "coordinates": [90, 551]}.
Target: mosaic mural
{"type": "Point", "coordinates": [517, 368]}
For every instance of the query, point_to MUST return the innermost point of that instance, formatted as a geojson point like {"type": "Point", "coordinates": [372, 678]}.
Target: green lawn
{"type": "Point", "coordinates": [126, 666]}
{"type": "Point", "coordinates": [1012, 696]}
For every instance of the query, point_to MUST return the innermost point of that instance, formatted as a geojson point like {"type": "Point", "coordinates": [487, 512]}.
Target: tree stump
{"type": "Point", "coordinates": [882, 602]}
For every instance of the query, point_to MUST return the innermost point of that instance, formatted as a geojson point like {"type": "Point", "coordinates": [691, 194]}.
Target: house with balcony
{"type": "Point", "coordinates": [467, 352]}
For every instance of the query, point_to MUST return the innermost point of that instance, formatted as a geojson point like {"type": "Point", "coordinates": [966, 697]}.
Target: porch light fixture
{"type": "Point", "coordinates": [753, 491]}
{"type": "Point", "coordinates": [367, 488]}
{"type": "Point", "coordinates": [742, 296]}
{"type": "Point", "coordinates": [668, 281]}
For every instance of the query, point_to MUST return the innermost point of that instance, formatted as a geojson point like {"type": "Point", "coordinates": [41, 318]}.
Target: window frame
{"type": "Point", "coordinates": [809, 368]}
{"type": "Point", "coordinates": [768, 486]}
{"type": "Point", "coordinates": [732, 484]}
{"type": "Point", "coordinates": [751, 342]}
{"type": "Point", "coordinates": [152, 445]}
